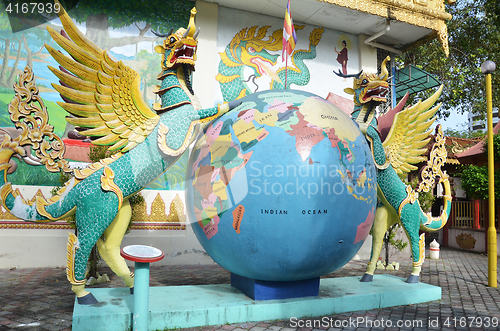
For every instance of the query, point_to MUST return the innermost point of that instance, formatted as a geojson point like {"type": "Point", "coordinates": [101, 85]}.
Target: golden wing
{"type": "Point", "coordinates": [409, 134]}
{"type": "Point", "coordinates": [103, 94]}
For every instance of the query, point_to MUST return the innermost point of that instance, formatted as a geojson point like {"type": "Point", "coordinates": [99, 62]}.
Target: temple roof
{"type": "Point", "coordinates": [411, 22]}
{"type": "Point", "coordinates": [477, 149]}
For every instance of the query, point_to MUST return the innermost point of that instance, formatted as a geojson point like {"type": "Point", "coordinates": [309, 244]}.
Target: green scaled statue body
{"type": "Point", "coordinates": [404, 145]}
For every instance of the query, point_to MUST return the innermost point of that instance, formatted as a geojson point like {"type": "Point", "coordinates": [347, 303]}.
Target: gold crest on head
{"type": "Point", "coordinates": [372, 87]}
{"type": "Point", "coordinates": [179, 47]}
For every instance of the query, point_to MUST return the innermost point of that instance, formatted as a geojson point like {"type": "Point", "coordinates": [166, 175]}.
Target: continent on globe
{"type": "Point", "coordinates": [238, 213]}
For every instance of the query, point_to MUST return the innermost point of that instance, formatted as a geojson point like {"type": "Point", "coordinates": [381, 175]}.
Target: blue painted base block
{"type": "Point", "coordinates": [268, 290]}
{"type": "Point", "coordinates": [174, 307]}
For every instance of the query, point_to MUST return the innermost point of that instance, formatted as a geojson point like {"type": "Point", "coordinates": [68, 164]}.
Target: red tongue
{"type": "Point", "coordinates": [186, 52]}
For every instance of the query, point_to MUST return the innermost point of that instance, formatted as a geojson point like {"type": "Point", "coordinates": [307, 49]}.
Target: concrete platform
{"type": "Point", "coordinates": [174, 307]}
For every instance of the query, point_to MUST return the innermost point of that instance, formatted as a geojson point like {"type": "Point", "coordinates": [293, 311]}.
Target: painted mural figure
{"type": "Point", "coordinates": [250, 48]}
{"type": "Point", "coordinates": [403, 146]}
{"type": "Point", "coordinates": [104, 96]}
{"type": "Point", "coordinates": [342, 57]}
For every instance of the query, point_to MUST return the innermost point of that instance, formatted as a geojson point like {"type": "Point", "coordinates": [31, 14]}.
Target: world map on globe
{"type": "Point", "coordinates": [283, 187]}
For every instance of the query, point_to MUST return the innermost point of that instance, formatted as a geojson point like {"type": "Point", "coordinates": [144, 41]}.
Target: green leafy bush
{"type": "Point", "coordinates": [475, 178]}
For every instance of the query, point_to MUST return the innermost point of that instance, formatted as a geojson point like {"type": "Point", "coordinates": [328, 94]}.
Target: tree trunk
{"type": "Point", "coordinates": [98, 29]}
{"type": "Point", "coordinates": [29, 54]}
{"type": "Point", "coordinates": [12, 77]}
{"type": "Point", "coordinates": [5, 64]}
{"type": "Point", "coordinates": [145, 90]}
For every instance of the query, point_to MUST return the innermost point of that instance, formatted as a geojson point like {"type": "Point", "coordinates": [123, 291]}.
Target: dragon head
{"type": "Point", "coordinates": [248, 48]}
{"type": "Point", "coordinates": [369, 88]}
{"type": "Point", "coordinates": [179, 48]}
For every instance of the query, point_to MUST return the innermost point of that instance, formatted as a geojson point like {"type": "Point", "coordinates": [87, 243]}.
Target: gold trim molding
{"type": "Point", "coordinates": [29, 225]}
{"type": "Point", "coordinates": [429, 14]}
{"type": "Point", "coordinates": [158, 219]}
{"type": "Point", "coordinates": [157, 226]}
{"type": "Point", "coordinates": [430, 8]}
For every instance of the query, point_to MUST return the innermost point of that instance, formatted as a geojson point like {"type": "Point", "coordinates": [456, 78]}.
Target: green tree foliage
{"type": "Point", "coordinates": [474, 37]}
{"type": "Point", "coordinates": [475, 182]}
{"type": "Point", "coordinates": [465, 133]}
{"type": "Point", "coordinates": [475, 178]}
{"type": "Point", "coordinates": [11, 44]}
{"type": "Point", "coordinates": [24, 45]}
{"type": "Point", "coordinates": [159, 15]}
{"type": "Point", "coordinates": [496, 147]}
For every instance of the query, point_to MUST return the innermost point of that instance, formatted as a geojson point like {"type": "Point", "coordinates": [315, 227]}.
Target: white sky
{"type": "Point", "coordinates": [454, 121]}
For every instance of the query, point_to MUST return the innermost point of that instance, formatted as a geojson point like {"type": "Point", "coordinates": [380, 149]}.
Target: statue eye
{"type": "Point", "coordinates": [364, 82]}
{"type": "Point", "coordinates": [251, 49]}
{"type": "Point", "coordinates": [172, 40]}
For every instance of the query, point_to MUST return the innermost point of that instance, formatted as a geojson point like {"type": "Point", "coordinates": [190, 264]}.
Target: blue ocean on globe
{"type": "Point", "coordinates": [282, 188]}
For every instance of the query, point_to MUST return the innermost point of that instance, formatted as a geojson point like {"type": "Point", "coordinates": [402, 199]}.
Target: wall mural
{"type": "Point", "coordinates": [248, 49]}
{"type": "Point", "coordinates": [251, 61]}
{"type": "Point", "coordinates": [129, 40]}
{"type": "Point", "coordinates": [344, 44]}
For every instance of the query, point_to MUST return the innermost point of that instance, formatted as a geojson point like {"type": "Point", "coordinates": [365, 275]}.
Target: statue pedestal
{"type": "Point", "coordinates": [172, 307]}
{"type": "Point", "coordinates": [268, 290]}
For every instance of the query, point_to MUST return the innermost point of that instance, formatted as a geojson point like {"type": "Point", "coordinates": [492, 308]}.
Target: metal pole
{"type": "Point", "coordinates": [393, 81]}
{"type": "Point", "coordinates": [286, 70]}
{"type": "Point", "coordinates": [140, 319]}
{"type": "Point", "coordinates": [487, 68]}
{"type": "Point", "coordinates": [142, 256]}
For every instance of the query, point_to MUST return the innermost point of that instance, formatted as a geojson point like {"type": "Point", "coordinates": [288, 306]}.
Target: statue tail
{"type": "Point", "coordinates": [41, 210]}
{"type": "Point", "coordinates": [428, 174]}
{"type": "Point", "coordinates": [429, 223]}
{"type": "Point", "coordinates": [33, 141]}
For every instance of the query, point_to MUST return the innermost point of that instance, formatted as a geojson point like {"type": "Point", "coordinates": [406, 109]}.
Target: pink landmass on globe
{"type": "Point", "coordinates": [364, 228]}
{"type": "Point", "coordinates": [212, 227]}
{"type": "Point", "coordinates": [306, 137]}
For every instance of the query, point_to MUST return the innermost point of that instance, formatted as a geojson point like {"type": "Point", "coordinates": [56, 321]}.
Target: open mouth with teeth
{"type": "Point", "coordinates": [378, 93]}
{"type": "Point", "coordinates": [262, 65]}
{"type": "Point", "coordinates": [184, 54]}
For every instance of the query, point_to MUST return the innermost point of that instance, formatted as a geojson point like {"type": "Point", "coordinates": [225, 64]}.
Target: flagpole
{"type": "Point", "coordinates": [286, 70]}
{"type": "Point", "coordinates": [289, 39]}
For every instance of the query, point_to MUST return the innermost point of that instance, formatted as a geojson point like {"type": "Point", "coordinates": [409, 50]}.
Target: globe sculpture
{"type": "Point", "coordinates": [282, 188]}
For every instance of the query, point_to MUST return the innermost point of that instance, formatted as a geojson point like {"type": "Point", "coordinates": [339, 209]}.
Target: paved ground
{"type": "Point", "coordinates": [41, 299]}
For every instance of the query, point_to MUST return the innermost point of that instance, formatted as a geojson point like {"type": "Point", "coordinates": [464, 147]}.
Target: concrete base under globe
{"type": "Point", "coordinates": [174, 307]}
{"type": "Point", "coordinates": [269, 290]}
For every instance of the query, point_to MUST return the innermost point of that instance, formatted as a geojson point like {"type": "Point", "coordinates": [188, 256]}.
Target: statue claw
{"type": "Point", "coordinates": [88, 299]}
{"type": "Point", "coordinates": [233, 104]}
{"type": "Point", "coordinates": [366, 278]}
{"type": "Point", "coordinates": [412, 279]}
